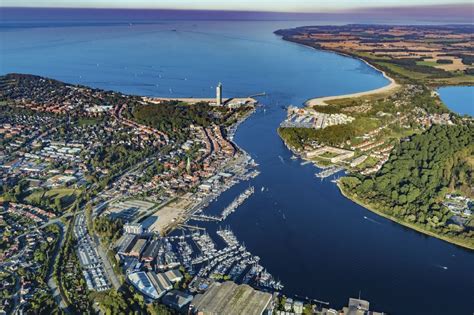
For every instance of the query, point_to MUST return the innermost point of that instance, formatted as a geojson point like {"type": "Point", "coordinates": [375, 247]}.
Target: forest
{"type": "Point", "coordinates": [175, 117]}
{"type": "Point", "coordinates": [420, 172]}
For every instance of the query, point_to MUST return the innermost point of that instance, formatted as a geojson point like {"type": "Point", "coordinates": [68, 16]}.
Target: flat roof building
{"type": "Point", "coordinates": [126, 243]}
{"type": "Point", "coordinates": [151, 251]}
{"type": "Point", "coordinates": [137, 249]}
{"type": "Point", "coordinates": [231, 299]}
{"type": "Point", "coordinates": [174, 275]}
{"type": "Point", "coordinates": [177, 299]}
{"type": "Point", "coordinates": [358, 307]}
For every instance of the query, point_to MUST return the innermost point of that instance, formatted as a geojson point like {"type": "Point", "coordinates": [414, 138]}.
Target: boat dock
{"type": "Point", "coordinates": [237, 202]}
{"type": "Point", "coordinates": [329, 171]}
{"type": "Point", "coordinates": [192, 227]}
{"type": "Point", "coordinates": [204, 217]}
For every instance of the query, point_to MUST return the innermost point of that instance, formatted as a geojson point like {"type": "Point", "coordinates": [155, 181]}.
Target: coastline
{"type": "Point", "coordinates": [393, 85]}
{"type": "Point", "coordinates": [321, 101]}
{"type": "Point", "coordinates": [404, 223]}
{"type": "Point", "coordinates": [231, 130]}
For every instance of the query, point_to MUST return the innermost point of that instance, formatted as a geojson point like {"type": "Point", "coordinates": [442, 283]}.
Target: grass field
{"type": "Point", "coordinates": [427, 63]}
{"type": "Point", "coordinates": [66, 195]}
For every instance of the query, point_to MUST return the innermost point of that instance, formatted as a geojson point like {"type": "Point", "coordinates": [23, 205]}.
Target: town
{"type": "Point", "coordinates": [97, 195]}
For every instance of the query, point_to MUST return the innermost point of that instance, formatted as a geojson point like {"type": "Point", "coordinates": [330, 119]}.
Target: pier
{"type": "Point", "coordinates": [192, 227]}
{"type": "Point", "coordinates": [237, 202]}
{"type": "Point", "coordinates": [329, 171]}
{"type": "Point", "coordinates": [204, 217]}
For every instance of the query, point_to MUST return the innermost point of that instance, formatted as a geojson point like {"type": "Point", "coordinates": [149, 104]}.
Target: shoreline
{"type": "Point", "coordinates": [404, 223]}
{"type": "Point", "coordinates": [203, 205]}
{"type": "Point", "coordinates": [393, 85]}
{"type": "Point", "coordinates": [321, 101]}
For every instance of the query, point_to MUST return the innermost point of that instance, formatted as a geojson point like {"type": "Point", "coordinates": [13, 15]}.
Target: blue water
{"type": "Point", "coordinates": [459, 99]}
{"type": "Point", "coordinates": [318, 243]}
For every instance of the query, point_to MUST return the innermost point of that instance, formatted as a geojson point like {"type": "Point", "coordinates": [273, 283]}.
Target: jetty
{"type": "Point", "coordinates": [329, 171]}
{"type": "Point", "coordinates": [204, 217]}
{"type": "Point", "coordinates": [237, 202]}
{"type": "Point", "coordinates": [192, 227]}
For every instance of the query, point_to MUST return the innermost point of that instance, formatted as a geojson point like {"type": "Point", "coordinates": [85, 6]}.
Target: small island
{"type": "Point", "coordinates": [409, 158]}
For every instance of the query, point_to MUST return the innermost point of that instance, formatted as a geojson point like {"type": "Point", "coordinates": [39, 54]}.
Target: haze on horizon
{"type": "Point", "coordinates": [244, 5]}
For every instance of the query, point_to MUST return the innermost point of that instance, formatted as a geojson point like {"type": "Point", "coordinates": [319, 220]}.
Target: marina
{"type": "Point", "coordinates": [199, 216]}
{"type": "Point", "coordinates": [201, 257]}
{"type": "Point", "coordinates": [329, 171]}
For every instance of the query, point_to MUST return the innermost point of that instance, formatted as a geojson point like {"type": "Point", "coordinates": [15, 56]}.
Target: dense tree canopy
{"type": "Point", "coordinates": [419, 173]}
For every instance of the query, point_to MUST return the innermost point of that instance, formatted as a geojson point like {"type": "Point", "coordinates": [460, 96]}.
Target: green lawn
{"type": "Point", "coordinates": [66, 195]}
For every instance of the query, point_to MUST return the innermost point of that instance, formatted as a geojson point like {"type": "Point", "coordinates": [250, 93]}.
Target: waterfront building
{"type": "Point", "coordinates": [160, 283]}
{"type": "Point", "coordinates": [177, 299]}
{"type": "Point", "coordinates": [358, 307]}
{"type": "Point", "coordinates": [143, 284]}
{"type": "Point", "coordinates": [219, 94]}
{"type": "Point", "coordinates": [231, 299]}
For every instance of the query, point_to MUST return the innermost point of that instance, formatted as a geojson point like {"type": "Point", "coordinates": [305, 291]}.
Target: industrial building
{"type": "Point", "coordinates": [160, 282]}
{"type": "Point", "coordinates": [177, 300]}
{"type": "Point", "coordinates": [231, 299]}
{"type": "Point", "coordinates": [137, 249]}
{"type": "Point", "coordinates": [151, 251]}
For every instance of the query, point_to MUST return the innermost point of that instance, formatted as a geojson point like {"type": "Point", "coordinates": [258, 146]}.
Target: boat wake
{"type": "Point", "coordinates": [371, 220]}
{"type": "Point", "coordinates": [442, 267]}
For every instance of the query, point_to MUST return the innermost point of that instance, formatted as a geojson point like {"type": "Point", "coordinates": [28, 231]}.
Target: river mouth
{"type": "Point", "coordinates": [309, 236]}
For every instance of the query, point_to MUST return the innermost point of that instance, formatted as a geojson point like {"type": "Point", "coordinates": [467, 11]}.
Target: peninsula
{"type": "Point", "coordinates": [409, 158]}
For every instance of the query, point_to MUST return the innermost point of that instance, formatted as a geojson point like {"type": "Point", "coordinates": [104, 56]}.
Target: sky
{"type": "Point", "coordinates": [244, 5]}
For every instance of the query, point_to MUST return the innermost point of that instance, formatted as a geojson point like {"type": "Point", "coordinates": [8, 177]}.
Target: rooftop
{"type": "Point", "coordinates": [230, 298]}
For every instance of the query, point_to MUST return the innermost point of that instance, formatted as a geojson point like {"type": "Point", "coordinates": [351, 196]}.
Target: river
{"type": "Point", "coordinates": [318, 243]}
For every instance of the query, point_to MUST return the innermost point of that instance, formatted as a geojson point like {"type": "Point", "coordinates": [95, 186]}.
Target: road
{"type": "Point", "coordinates": [107, 266]}
{"type": "Point", "coordinates": [51, 283]}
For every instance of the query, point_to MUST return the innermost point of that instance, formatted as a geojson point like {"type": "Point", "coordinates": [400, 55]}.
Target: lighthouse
{"type": "Point", "coordinates": [219, 94]}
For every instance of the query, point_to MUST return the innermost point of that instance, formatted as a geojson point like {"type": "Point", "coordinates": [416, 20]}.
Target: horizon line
{"type": "Point", "coordinates": [324, 11]}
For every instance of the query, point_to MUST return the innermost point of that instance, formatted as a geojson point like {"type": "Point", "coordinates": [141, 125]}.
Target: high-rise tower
{"type": "Point", "coordinates": [219, 94]}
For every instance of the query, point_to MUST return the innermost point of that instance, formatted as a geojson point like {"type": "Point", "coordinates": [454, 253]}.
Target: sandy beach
{"type": "Point", "coordinates": [321, 101]}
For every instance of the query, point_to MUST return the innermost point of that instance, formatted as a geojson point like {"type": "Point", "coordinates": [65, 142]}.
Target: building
{"type": "Point", "coordinates": [160, 283]}
{"type": "Point", "coordinates": [176, 299]}
{"type": "Point", "coordinates": [137, 249]}
{"type": "Point", "coordinates": [298, 307]}
{"type": "Point", "coordinates": [151, 251]}
{"type": "Point", "coordinates": [219, 94]}
{"type": "Point", "coordinates": [143, 284]}
{"type": "Point", "coordinates": [133, 228]}
{"type": "Point", "coordinates": [358, 307]}
{"type": "Point", "coordinates": [231, 299]}
{"type": "Point", "coordinates": [174, 275]}
{"type": "Point", "coordinates": [126, 243]}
